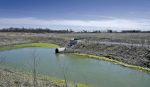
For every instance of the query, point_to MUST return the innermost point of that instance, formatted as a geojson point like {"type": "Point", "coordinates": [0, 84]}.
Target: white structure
{"type": "Point", "coordinates": [58, 50]}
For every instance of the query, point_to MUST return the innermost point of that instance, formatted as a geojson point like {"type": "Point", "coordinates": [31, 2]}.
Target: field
{"type": "Point", "coordinates": [129, 48]}
{"type": "Point", "coordinates": [132, 38]}
{"type": "Point", "coordinates": [110, 35]}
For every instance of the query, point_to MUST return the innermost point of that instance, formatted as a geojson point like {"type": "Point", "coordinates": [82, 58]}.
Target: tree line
{"type": "Point", "coordinates": [35, 30]}
{"type": "Point", "coordinates": [47, 30]}
{"type": "Point", "coordinates": [112, 31]}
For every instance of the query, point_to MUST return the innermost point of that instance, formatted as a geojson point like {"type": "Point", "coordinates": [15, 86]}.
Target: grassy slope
{"type": "Point", "coordinates": [44, 45]}
{"type": "Point", "coordinates": [48, 45]}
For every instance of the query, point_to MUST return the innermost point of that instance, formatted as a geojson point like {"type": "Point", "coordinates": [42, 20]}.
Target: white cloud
{"type": "Point", "coordinates": [143, 24]}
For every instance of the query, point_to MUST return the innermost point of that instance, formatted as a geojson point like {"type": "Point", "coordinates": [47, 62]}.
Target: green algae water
{"type": "Point", "coordinates": [94, 73]}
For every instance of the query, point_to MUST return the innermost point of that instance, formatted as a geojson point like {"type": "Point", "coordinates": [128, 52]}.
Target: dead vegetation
{"type": "Point", "coordinates": [135, 55]}
{"type": "Point", "coordinates": [10, 78]}
{"type": "Point", "coordinates": [131, 54]}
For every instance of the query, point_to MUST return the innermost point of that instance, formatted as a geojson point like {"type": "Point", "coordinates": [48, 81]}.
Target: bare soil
{"type": "Point", "coordinates": [9, 78]}
{"type": "Point", "coordinates": [131, 54]}
{"type": "Point", "coordinates": [135, 55]}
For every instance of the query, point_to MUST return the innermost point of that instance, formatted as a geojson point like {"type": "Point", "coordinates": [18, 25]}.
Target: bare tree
{"type": "Point", "coordinates": [63, 70]}
{"type": "Point", "coordinates": [33, 64]}
{"type": "Point", "coordinates": [34, 71]}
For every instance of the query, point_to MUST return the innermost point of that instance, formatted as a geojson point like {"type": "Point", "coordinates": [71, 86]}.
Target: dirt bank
{"type": "Point", "coordinates": [131, 55]}
{"type": "Point", "coordinates": [9, 78]}
{"type": "Point", "coordinates": [135, 55]}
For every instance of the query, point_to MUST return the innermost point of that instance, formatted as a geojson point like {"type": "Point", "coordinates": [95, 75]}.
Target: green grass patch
{"type": "Point", "coordinates": [43, 45]}
{"type": "Point", "coordinates": [60, 82]}
{"type": "Point", "coordinates": [81, 85]}
{"type": "Point", "coordinates": [116, 62]}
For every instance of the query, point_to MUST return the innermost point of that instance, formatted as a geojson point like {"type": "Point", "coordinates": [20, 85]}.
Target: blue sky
{"type": "Point", "coordinates": [76, 14]}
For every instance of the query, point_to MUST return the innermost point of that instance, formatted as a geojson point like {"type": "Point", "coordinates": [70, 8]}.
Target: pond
{"type": "Point", "coordinates": [95, 73]}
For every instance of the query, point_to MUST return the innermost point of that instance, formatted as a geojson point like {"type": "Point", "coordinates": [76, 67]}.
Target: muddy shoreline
{"type": "Point", "coordinates": [134, 55]}
{"type": "Point", "coordinates": [138, 56]}
{"type": "Point", "coordinates": [22, 79]}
